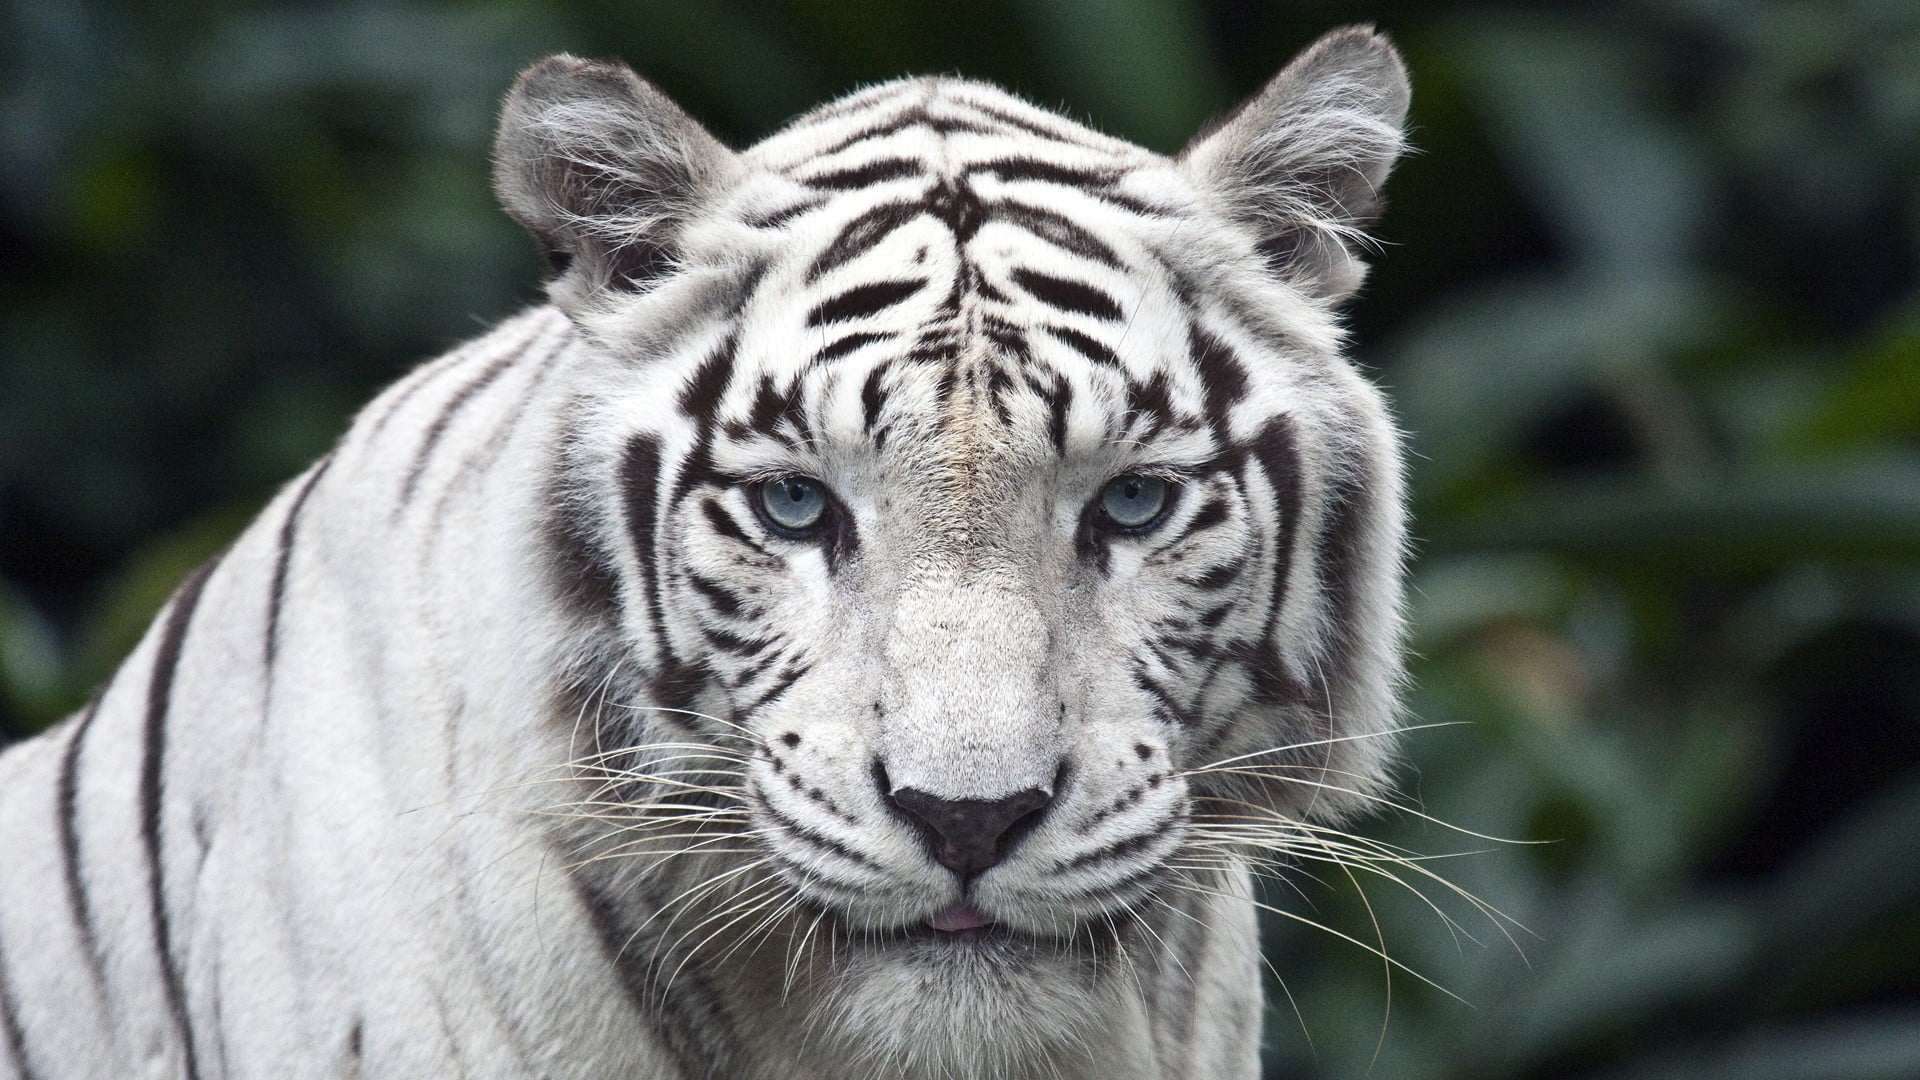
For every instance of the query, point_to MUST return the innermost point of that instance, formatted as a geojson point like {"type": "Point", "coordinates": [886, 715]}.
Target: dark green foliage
{"type": "Point", "coordinates": [1647, 303]}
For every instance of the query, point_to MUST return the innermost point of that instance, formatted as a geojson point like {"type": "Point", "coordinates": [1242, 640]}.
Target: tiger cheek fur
{"type": "Point", "coordinates": [885, 590]}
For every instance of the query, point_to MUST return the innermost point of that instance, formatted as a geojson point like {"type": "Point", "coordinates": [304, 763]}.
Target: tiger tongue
{"type": "Point", "coordinates": [961, 916]}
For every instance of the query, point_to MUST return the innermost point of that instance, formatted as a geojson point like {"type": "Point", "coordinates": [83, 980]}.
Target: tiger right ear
{"type": "Point", "coordinates": [604, 170]}
{"type": "Point", "coordinates": [1302, 162]}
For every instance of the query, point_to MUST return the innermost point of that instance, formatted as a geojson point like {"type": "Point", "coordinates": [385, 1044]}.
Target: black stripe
{"type": "Point", "coordinates": [1338, 555]}
{"type": "Point", "coordinates": [12, 1038]}
{"type": "Point", "coordinates": [1170, 706]}
{"type": "Point", "coordinates": [640, 489]}
{"type": "Point", "coordinates": [1084, 345]}
{"type": "Point", "coordinates": [1054, 391]}
{"type": "Point", "coordinates": [426, 375]}
{"type": "Point", "coordinates": [824, 843]}
{"type": "Point", "coordinates": [914, 117]}
{"type": "Point", "coordinates": [1125, 883]}
{"type": "Point", "coordinates": [675, 682]}
{"type": "Point", "coordinates": [724, 524]}
{"type": "Point", "coordinates": [958, 207]}
{"type": "Point", "coordinates": [166, 664]}
{"type": "Point", "coordinates": [778, 216]}
{"type": "Point", "coordinates": [1150, 402]}
{"type": "Point", "coordinates": [1026, 168]}
{"type": "Point", "coordinates": [853, 890]}
{"type": "Point", "coordinates": [901, 122]}
{"type": "Point", "coordinates": [872, 395]}
{"type": "Point", "coordinates": [1068, 295]}
{"type": "Point", "coordinates": [1056, 229]}
{"type": "Point", "coordinates": [777, 690]}
{"type": "Point", "coordinates": [863, 300]}
{"type": "Point", "coordinates": [1031, 127]}
{"type": "Point", "coordinates": [700, 398]}
{"type": "Point", "coordinates": [730, 642]}
{"type": "Point", "coordinates": [1276, 452]}
{"type": "Point", "coordinates": [773, 408]}
{"type": "Point", "coordinates": [284, 559]}
{"type": "Point", "coordinates": [1168, 648]}
{"type": "Point", "coordinates": [999, 388]}
{"type": "Point", "coordinates": [1217, 578]}
{"type": "Point", "coordinates": [938, 344]}
{"type": "Point", "coordinates": [676, 685]}
{"type": "Point", "coordinates": [454, 403]}
{"type": "Point", "coordinates": [947, 125]}
{"type": "Point", "coordinates": [1059, 406]}
{"type": "Point", "coordinates": [877, 171]}
{"type": "Point", "coordinates": [79, 907]}
{"type": "Point", "coordinates": [580, 572]}
{"type": "Point", "coordinates": [861, 235]}
{"type": "Point", "coordinates": [719, 597]}
{"type": "Point", "coordinates": [1211, 513]}
{"type": "Point", "coordinates": [1222, 375]}
{"type": "Point", "coordinates": [1097, 183]}
{"type": "Point", "coordinates": [839, 347]}
{"type": "Point", "coordinates": [981, 287]}
{"type": "Point", "coordinates": [1119, 849]}
{"type": "Point", "coordinates": [1011, 341]}
{"type": "Point", "coordinates": [692, 1027]}
{"type": "Point", "coordinates": [1214, 616]}
{"type": "Point", "coordinates": [489, 450]}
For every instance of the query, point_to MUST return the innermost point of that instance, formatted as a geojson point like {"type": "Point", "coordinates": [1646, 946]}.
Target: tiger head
{"type": "Point", "coordinates": [983, 500]}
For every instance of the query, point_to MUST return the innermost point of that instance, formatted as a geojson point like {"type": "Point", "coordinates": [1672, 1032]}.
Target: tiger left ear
{"type": "Point", "coordinates": [1302, 162]}
{"type": "Point", "coordinates": [604, 170]}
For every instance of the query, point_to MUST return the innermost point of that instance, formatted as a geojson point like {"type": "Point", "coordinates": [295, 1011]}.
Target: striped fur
{"type": "Point", "coordinates": [515, 739]}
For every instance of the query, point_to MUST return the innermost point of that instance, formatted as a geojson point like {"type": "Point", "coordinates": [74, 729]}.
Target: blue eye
{"type": "Point", "coordinates": [1134, 501]}
{"type": "Point", "coordinates": [795, 504]}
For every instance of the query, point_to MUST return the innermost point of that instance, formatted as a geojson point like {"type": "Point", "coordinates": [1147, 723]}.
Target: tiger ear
{"type": "Point", "coordinates": [1302, 161]}
{"type": "Point", "coordinates": [604, 170]}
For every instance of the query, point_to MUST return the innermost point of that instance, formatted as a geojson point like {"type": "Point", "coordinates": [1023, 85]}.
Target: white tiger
{"type": "Point", "coordinates": [864, 627]}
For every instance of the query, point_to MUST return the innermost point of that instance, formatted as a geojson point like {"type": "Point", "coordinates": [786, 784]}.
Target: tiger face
{"type": "Point", "coordinates": [990, 495]}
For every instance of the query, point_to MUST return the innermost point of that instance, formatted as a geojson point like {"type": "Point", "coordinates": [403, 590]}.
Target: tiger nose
{"type": "Point", "coordinates": [969, 835]}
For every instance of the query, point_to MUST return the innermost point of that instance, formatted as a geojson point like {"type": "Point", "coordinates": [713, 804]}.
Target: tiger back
{"type": "Point", "coordinates": [867, 624]}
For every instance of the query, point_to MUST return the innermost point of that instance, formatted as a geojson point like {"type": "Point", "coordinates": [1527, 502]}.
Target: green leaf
{"type": "Point", "coordinates": [1868, 512]}
{"type": "Point", "coordinates": [1882, 1045]}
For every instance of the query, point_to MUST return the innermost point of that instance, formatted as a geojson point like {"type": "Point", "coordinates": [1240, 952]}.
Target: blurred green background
{"type": "Point", "coordinates": [1647, 304]}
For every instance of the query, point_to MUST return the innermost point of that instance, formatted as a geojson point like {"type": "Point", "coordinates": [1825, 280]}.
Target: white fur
{"type": "Point", "coordinates": [393, 853]}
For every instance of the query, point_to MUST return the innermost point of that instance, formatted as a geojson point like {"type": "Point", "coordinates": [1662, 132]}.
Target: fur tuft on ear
{"type": "Point", "coordinates": [604, 170]}
{"type": "Point", "coordinates": [1302, 161]}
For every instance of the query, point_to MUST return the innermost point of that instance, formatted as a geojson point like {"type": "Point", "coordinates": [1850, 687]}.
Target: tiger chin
{"type": "Point", "coordinates": [867, 624]}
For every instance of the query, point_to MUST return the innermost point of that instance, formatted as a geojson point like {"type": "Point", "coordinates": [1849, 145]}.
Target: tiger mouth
{"type": "Point", "coordinates": [985, 933]}
{"type": "Point", "coordinates": [959, 918]}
